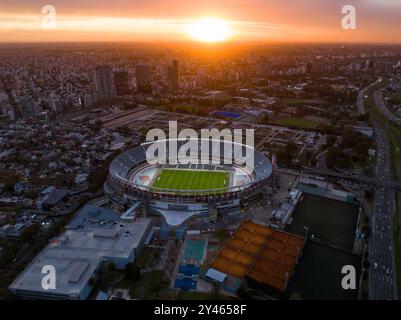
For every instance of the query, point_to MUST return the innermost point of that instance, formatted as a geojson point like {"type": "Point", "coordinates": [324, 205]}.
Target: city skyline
{"type": "Point", "coordinates": [184, 150]}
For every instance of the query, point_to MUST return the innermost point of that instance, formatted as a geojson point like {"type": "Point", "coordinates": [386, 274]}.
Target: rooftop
{"type": "Point", "coordinates": [55, 197]}
{"type": "Point", "coordinates": [78, 251]}
{"type": "Point", "coordinates": [264, 254]}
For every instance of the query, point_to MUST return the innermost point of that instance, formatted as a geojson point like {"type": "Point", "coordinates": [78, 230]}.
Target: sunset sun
{"type": "Point", "coordinates": [209, 30]}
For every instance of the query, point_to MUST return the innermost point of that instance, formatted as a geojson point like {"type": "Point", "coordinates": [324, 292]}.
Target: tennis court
{"type": "Point", "coordinates": [188, 270]}
{"type": "Point", "coordinates": [185, 284]}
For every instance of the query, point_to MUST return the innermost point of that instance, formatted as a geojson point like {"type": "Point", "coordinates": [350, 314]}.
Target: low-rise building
{"type": "Point", "coordinates": [95, 235]}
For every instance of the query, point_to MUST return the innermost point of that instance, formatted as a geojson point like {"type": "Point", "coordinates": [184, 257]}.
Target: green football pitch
{"type": "Point", "coordinates": [191, 180]}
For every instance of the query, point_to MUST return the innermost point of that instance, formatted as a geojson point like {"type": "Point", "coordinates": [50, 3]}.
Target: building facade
{"type": "Point", "coordinates": [104, 84]}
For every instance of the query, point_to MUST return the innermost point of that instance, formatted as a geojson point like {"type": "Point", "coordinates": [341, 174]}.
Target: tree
{"type": "Point", "coordinates": [8, 253]}
{"type": "Point", "coordinates": [287, 154]}
{"type": "Point", "coordinates": [5, 294]}
{"type": "Point", "coordinates": [363, 117]}
{"type": "Point", "coordinates": [296, 296]}
{"type": "Point", "coordinates": [244, 293]}
{"type": "Point", "coordinates": [132, 272]}
{"type": "Point", "coordinates": [9, 182]}
{"type": "Point", "coordinates": [331, 140]}
{"type": "Point", "coordinates": [365, 229]}
{"type": "Point", "coordinates": [337, 158]}
{"type": "Point", "coordinates": [98, 125]}
{"type": "Point", "coordinates": [264, 118]}
{"type": "Point", "coordinates": [222, 234]}
{"type": "Point", "coordinates": [30, 233]}
{"type": "Point", "coordinates": [216, 291]}
{"type": "Point", "coordinates": [106, 273]}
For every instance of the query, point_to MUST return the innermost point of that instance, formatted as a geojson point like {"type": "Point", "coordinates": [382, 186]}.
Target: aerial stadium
{"type": "Point", "coordinates": [206, 187]}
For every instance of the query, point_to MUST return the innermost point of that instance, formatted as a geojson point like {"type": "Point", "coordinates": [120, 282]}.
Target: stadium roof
{"type": "Point", "coordinates": [266, 255]}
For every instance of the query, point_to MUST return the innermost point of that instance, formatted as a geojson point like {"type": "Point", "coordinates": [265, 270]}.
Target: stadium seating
{"type": "Point", "coordinates": [128, 163]}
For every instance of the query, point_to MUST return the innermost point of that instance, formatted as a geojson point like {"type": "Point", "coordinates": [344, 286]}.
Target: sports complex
{"type": "Point", "coordinates": [204, 187]}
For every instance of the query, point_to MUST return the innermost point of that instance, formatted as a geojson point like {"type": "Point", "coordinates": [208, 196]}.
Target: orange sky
{"type": "Point", "coordinates": [249, 20]}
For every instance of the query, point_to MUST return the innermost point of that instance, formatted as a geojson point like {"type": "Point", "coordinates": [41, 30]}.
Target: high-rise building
{"type": "Point", "coordinates": [121, 83]}
{"type": "Point", "coordinates": [308, 67]}
{"type": "Point", "coordinates": [383, 67]}
{"type": "Point", "coordinates": [69, 87]}
{"type": "Point", "coordinates": [173, 76]}
{"type": "Point", "coordinates": [201, 78]}
{"type": "Point", "coordinates": [103, 81]}
{"type": "Point", "coordinates": [86, 101]}
{"type": "Point", "coordinates": [26, 107]}
{"type": "Point", "coordinates": [143, 84]}
{"type": "Point", "coordinates": [56, 104]}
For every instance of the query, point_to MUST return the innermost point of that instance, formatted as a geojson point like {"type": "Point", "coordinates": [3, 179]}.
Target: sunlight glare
{"type": "Point", "coordinates": [210, 30]}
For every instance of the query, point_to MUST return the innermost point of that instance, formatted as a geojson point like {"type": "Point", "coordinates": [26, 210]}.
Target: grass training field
{"type": "Point", "coordinates": [331, 221]}
{"type": "Point", "coordinates": [318, 275]}
{"type": "Point", "coordinates": [191, 180]}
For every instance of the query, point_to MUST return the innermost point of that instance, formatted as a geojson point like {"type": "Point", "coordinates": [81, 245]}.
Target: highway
{"type": "Point", "coordinates": [382, 281]}
{"type": "Point", "coordinates": [360, 100]}
{"type": "Point", "coordinates": [381, 105]}
{"type": "Point", "coordinates": [382, 272]}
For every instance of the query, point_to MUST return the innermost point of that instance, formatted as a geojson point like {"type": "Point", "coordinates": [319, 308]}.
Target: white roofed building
{"type": "Point", "coordinates": [94, 236]}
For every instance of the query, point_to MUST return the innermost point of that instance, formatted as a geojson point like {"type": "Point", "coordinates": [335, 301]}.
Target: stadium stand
{"type": "Point", "coordinates": [129, 162]}
{"type": "Point", "coordinates": [133, 178]}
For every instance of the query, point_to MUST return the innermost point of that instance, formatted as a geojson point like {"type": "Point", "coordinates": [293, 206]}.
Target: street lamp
{"type": "Point", "coordinates": [306, 232]}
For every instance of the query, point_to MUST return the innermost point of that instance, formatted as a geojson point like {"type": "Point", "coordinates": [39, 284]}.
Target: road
{"type": "Point", "coordinates": [382, 271]}
{"type": "Point", "coordinates": [360, 178]}
{"type": "Point", "coordinates": [321, 160]}
{"type": "Point", "coordinates": [381, 105]}
{"type": "Point", "coordinates": [360, 100]}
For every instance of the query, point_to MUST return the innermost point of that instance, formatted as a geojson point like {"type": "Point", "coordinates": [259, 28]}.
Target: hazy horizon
{"type": "Point", "coordinates": [309, 21]}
